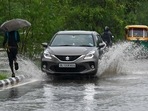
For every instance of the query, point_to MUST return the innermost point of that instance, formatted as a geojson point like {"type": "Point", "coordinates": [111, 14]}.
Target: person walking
{"type": "Point", "coordinates": [107, 36]}
{"type": "Point", "coordinates": [10, 42]}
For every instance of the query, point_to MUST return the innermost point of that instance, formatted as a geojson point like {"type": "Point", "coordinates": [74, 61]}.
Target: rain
{"type": "Point", "coordinates": [121, 84]}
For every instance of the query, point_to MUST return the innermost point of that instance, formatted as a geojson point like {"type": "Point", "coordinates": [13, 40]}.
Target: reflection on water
{"type": "Point", "coordinates": [120, 92]}
{"type": "Point", "coordinates": [70, 95]}
{"type": "Point", "coordinates": [89, 98]}
{"type": "Point", "coordinates": [13, 93]}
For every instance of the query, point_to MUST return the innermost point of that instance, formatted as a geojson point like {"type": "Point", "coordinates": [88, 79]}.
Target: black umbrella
{"type": "Point", "coordinates": [14, 24]}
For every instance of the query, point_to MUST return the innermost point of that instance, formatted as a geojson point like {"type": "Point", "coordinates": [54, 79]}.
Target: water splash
{"type": "Point", "coordinates": [29, 68]}
{"type": "Point", "coordinates": [118, 56]}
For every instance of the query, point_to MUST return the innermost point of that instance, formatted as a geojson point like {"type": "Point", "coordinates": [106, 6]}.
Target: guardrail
{"type": "Point", "coordinates": [11, 81]}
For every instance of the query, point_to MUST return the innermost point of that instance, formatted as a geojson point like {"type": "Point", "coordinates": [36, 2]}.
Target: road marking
{"type": "Point", "coordinates": [17, 85]}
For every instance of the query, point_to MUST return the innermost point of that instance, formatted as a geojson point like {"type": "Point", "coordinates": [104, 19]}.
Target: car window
{"type": "Point", "coordinates": [73, 40]}
{"type": "Point", "coordinates": [138, 32]}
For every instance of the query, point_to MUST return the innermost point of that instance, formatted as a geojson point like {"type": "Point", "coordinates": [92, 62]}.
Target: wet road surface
{"type": "Point", "coordinates": [121, 85]}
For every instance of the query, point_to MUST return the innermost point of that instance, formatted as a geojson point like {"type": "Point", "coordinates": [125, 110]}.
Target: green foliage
{"type": "Point", "coordinates": [50, 16]}
{"type": "Point", "coordinates": [142, 13]}
{"type": "Point", "coordinates": [3, 76]}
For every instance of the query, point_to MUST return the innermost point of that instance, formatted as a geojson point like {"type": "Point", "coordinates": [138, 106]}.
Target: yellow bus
{"type": "Point", "coordinates": [137, 33]}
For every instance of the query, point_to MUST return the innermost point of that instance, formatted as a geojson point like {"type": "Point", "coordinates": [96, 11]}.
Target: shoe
{"type": "Point", "coordinates": [16, 66]}
{"type": "Point", "coordinates": [13, 75]}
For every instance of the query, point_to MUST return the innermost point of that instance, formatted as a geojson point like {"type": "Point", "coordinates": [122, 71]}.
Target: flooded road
{"type": "Point", "coordinates": [121, 85]}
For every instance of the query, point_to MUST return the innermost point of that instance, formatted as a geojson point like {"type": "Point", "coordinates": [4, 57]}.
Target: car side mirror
{"type": "Point", "coordinates": [102, 45]}
{"type": "Point", "coordinates": [44, 45]}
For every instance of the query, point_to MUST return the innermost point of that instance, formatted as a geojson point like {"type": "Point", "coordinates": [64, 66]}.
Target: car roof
{"type": "Point", "coordinates": [136, 26]}
{"type": "Point", "coordinates": [76, 32]}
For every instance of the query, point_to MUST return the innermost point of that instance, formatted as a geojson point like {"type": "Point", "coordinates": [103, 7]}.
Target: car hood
{"type": "Point", "coordinates": [70, 50]}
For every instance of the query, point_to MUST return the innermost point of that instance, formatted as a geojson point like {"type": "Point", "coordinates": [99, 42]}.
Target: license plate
{"type": "Point", "coordinates": [67, 65]}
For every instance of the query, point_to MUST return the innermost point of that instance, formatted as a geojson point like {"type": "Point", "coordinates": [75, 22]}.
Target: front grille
{"type": "Point", "coordinates": [67, 58]}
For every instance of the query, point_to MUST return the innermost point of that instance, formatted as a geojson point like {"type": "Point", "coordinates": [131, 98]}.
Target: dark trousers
{"type": "Point", "coordinates": [12, 52]}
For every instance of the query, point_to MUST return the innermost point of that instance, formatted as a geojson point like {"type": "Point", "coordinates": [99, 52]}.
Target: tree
{"type": "Point", "coordinates": [50, 16]}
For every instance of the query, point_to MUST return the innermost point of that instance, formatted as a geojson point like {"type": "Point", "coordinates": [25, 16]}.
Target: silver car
{"type": "Point", "coordinates": [72, 53]}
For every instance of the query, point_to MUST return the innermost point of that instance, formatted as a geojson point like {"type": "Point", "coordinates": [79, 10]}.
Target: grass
{"type": "Point", "coordinates": [3, 76]}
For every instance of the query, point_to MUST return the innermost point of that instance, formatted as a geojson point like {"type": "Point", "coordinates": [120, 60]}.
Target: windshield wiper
{"type": "Point", "coordinates": [85, 46]}
{"type": "Point", "coordinates": [62, 45]}
{"type": "Point", "coordinates": [66, 45]}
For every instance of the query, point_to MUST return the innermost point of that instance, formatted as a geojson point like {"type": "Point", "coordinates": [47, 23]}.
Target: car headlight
{"type": "Point", "coordinates": [47, 54]}
{"type": "Point", "coordinates": [90, 55]}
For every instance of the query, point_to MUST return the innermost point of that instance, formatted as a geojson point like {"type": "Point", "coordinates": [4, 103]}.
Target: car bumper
{"type": "Point", "coordinates": [87, 67]}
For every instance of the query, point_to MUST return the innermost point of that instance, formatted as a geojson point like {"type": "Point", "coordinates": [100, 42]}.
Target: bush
{"type": "Point", "coordinates": [3, 76]}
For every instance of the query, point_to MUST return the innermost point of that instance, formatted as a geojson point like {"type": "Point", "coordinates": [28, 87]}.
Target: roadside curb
{"type": "Point", "coordinates": [11, 80]}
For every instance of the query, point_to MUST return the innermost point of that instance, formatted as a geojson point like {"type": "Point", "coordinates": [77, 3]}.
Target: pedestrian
{"type": "Point", "coordinates": [107, 36]}
{"type": "Point", "coordinates": [10, 42]}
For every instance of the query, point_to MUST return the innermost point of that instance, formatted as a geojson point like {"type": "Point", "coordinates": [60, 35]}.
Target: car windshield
{"type": "Point", "coordinates": [138, 32]}
{"type": "Point", "coordinates": [83, 40]}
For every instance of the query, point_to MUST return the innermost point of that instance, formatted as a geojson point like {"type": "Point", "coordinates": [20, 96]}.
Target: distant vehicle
{"type": "Point", "coordinates": [72, 53]}
{"type": "Point", "coordinates": [137, 34]}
